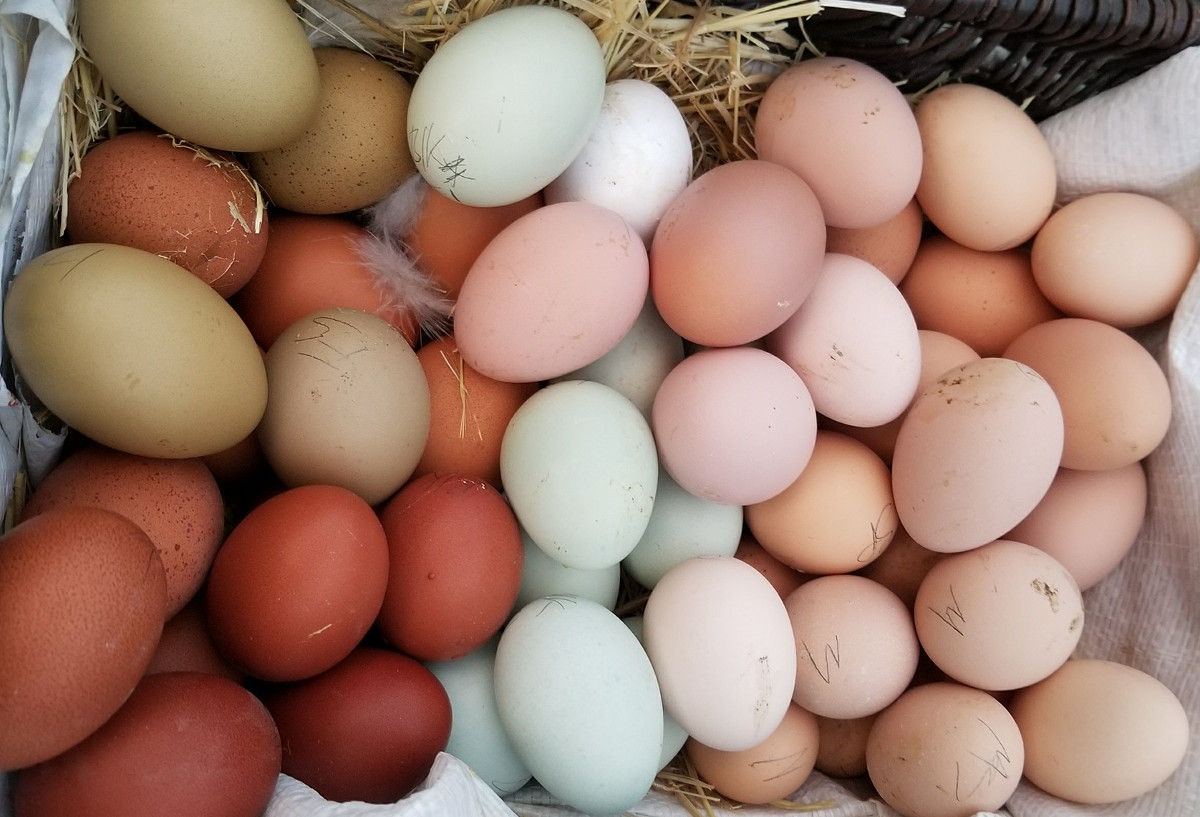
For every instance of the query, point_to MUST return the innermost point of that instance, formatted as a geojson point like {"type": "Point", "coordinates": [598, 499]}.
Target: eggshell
{"type": "Point", "coordinates": [682, 525]}
{"type": "Point", "coordinates": [842, 745]}
{"type": "Point", "coordinates": [355, 151]}
{"type": "Point", "coordinates": [151, 191]}
{"type": "Point", "coordinates": [313, 262]}
{"type": "Point", "coordinates": [579, 700]}
{"type": "Point", "coordinates": [854, 343]}
{"type": "Point", "coordinates": [477, 735]}
{"type": "Point", "coordinates": [579, 468]}
{"type": "Point", "coordinates": [229, 75]}
{"type": "Point", "coordinates": [447, 236]}
{"type": "Point", "coordinates": [637, 159]}
{"type": "Point", "coordinates": [1115, 398]}
{"type": "Point", "coordinates": [673, 735]}
{"type": "Point", "coordinates": [83, 598]}
{"type": "Point", "coordinates": [348, 404]}
{"type": "Point", "coordinates": [1088, 520]}
{"type": "Point", "coordinates": [184, 743]}
{"type": "Point", "coordinates": [1122, 258]}
{"type": "Point", "coordinates": [367, 729]}
{"type": "Point", "coordinates": [890, 246]}
{"type": "Point", "coordinates": [902, 566]}
{"type": "Point", "coordinates": [988, 179]}
{"type": "Point", "coordinates": [491, 120]}
{"type": "Point", "coordinates": [846, 129]}
{"type": "Point", "coordinates": [733, 425]}
{"type": "Point", "coordinates": [554, 291]}
{"type": "Point", "coordinates": [999, 617]}
{"type": "Point", "coordinates": [736, 253]}
{"type": "Point", "coordinates": [542, 576]}
{"type": "Point", "coordinates": [133, 351]}
{"type": "Point", "coordinates": [784, 578]}
{"type": "Point", "coordinates": [945, 750]}
{"type": "Point", "coordinates": [836, 517]}
{"type": "Point", "coordinates": [856, 648]}
{"type": "Point", "coordinates": [985, 299]}
{"type": "Point", "coordinates": [764, 773]}
{"type": "Point", "coordinates": [175, 501]}
{"type": "Point", "coordinates": [468, 413]}
{"type": "Point", "coordinates": [1100, 732]}
{"type": "Point", "coordinates": [721, 644]}
{"type": "Point", "coordinates": [187, 646]}
{"type": "Point", "coordinates": [454, 566]}
{"type": "Point", "coordinates": [298, 583]}
{"type": "Point", "coordinates": [975, 454]}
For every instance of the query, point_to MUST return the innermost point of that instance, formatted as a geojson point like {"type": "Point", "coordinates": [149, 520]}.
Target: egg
{"type": "Point", "coordinates": [175, 501]}
{"type": "Point", "coordinates": [673, 735]}
{"type": "Point", "coordinates": [848, 131]}
{"type": "Point", "coordinates": [229, 75]}
{"type": "Point", "coordinates": [1119, 257]}
{"type": "Point", "coordinates": [889, 246]}
{"type": "Point", "coordinates": [183, 743]}
{"type": "Point", "coordinates": [736, 253]}
{"type": "Point", "coordinates": [734, 425]}
{"type": "Point", "coordinates": [149, 190]}
{"type": "Point", "coordinates": [348, 404]}
{"type": "Point", "coordinates": [902, 566]}
{"type": "Point", "coordinates": [837, 516]}
{"type": "Point", "coordinates": [490, 120]}
{"type": "Point", "coordinates": [555, 290]}
{"type": "Point", "coordinates": [454, 566]}
{"type": "Point", "coordinates": [187, 646]}
{"type": "Point", "coordinates": [298, 582]}
{"type": "Point", "coordinates": [1115, 398]}
{"type": "Point", "coordinates": [842, 745]}
{"type": "Point", "coordinates": [1099, 731]}
{"type": "Point", "coordinates": [784, 578]}
{"type": "Point", "coordinates": [355, 151]}
{"type": "Point", "coordinates": [542, 575]}
{"type": "Point", "coordinates": [81, 588]}
{"type": "Point", "coordinates": [856, 647]}
{"type": "Point", "coordinates": [134, 351]}
{"type": "Point", "coordinates": [988, 178]}
{"type": "Point", "coordinates": [367, 729]}
{"type": "Point", "coordinates": [999, 617]}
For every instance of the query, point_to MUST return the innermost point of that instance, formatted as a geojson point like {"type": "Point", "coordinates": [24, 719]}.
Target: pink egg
{"type": "Point", "coordinates": [554, 291]}
{"type": "Point", "coordinates": [734, 425]}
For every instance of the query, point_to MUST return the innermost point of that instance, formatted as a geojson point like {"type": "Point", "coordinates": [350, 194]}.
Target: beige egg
{"type": "Point", "coordinates": [355, 151]}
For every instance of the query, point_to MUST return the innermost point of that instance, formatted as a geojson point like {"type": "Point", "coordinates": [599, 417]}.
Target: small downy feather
{"type": "Point", "coordinates": [389, 258]}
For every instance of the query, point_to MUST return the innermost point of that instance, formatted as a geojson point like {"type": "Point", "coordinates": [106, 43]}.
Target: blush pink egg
{"type": "Point", "coordinates": [734, 425]}
{"type": "Point", "coordinates": [554, 291]}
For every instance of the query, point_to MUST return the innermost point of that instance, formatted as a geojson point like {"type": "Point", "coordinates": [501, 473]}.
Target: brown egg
{"type": "Point", "coordinates": [902, 566]}
{"type": "Point", "coordinates": [176, 502]}
{"type": "Point", "coordinates": [985, 299]}
{"type": "Point", "coordinates": [784, 578]}
{"type": "Point", "coordinates": [368, 729]}
{"type": "Point", "coordinates": [890, 247]}
{"type": "Point", "coordinates": [185, 744]}
{"type": "Point", "coordinates": [313, 262]}
{"type": "Point", "coordinates": [842, 745]}
{"type": "Point", "coordinates": [83, 598]}
{"type": "Point", "coordinates": [454, 570]}
{"type": "Point", "coordinates": [198, 208]}
{"type": "Point", "coordinates": [448, 235]}
{"type": "Point", "coordinates": [468, 414]}
{"type": "Point", "coordinates": [356, 150]}
{"type": "Point", "coordinates": [187, 646]}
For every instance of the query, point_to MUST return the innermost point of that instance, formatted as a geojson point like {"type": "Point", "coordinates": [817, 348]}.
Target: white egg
{"type": "Point", "coordinates": [637, 159]}
{"type": "Point", "coordinates": [505, 105]}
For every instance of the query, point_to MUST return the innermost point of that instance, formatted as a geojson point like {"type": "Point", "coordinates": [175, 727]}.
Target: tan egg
{"type": "Point", "coordinates": [985, 299]}
{"type": "Point", "coordinates": [1115, 398]}
{"type": "Point", "coordinates": [233, 75]}
{"type": "Point", "coordinates": [1117, 257]}
{"type": "Point", "coordinates": [356, 150]}
{"type": "Point", "coordinates": [889, 247]}
{"type": "Point", "coordinates": [783, 578]}
{"type": "Point", "coordinates": [902, 566]}
{"type": "Point", "coordinates": [842, 745]}
{"type": "Point", "coordinates": [988, 178]}
{"type": "Point", "coordinates": [836, 517]}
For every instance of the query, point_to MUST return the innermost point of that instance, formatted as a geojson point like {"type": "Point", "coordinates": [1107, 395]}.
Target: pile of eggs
{"type": "Point", "coordinates": [363, 474]}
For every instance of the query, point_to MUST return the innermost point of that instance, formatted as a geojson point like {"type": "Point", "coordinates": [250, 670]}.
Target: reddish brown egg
{"type": "Point", "coordinates": [298, 582]}
{"type": "Point", "coordinates": [313, 262]}
{"type": "Point", "coordinates": [187, 646]}
{"type": "Point", "coordinates": [175, 501]}
{"type": "Point", "coordinates": [469, 412]}
{"type": "Point", "coordinates": [185, 744]}
{"type": "Point", "coordinates": [368, 729]}
{"type": "Point", "coordinates": [82, 600]}
{"type": "Point", "coordinates": [198, 208]}
{"type": "Point", "coordinates": [454, 569]}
